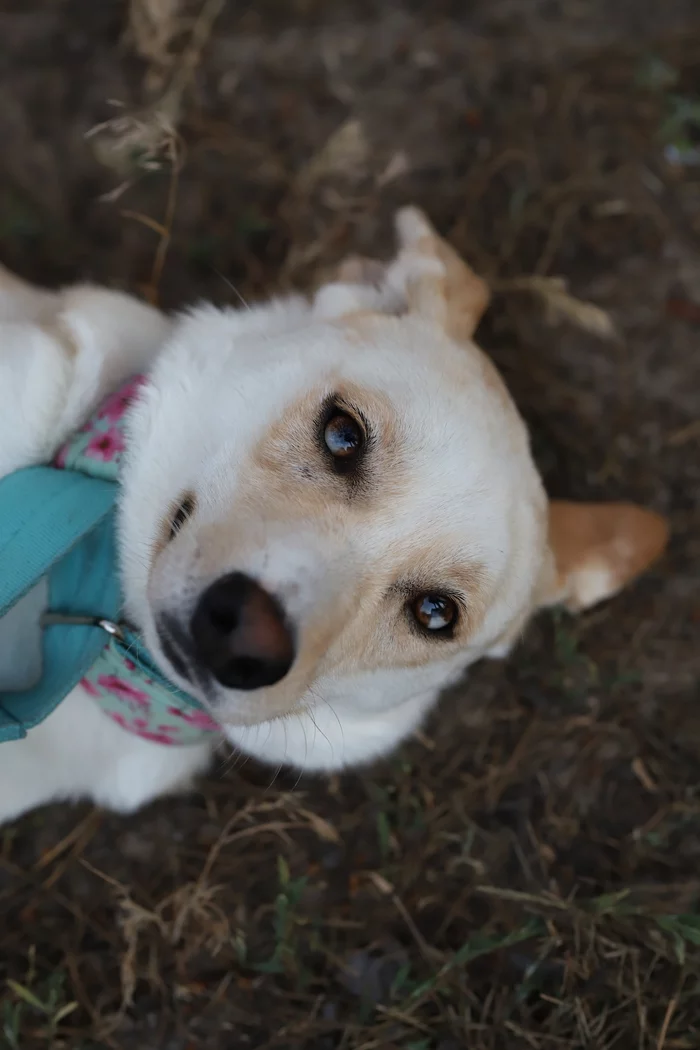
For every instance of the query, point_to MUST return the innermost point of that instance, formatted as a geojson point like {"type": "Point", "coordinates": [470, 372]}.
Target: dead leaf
{"type": "Point", "coordinates": [325, 831]}
{"type": "Point", "coordinates": [345, 153]}
{"type": "Point", "coordinates": [560, 305]}
{"type": "Point", "coordinates": [153, 24]}
{"type": "Point", "coordinates": [642, 775]}
{"type": "Point", "coordinates": [382, 884]}
{"type": "Point", "coordinates": [398, 166]}
{"type": "Point", "coordinates": [685, 434]}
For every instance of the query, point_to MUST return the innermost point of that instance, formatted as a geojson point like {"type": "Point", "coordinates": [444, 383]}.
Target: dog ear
{"type": "Point", "coordinates": [438, 283]}
{"type": "Point", "coordinates": [427, 277]}
{"type": "Point", "coordinates": [595, 549]}
{"type": "Point", "coordinates": [357, 285]}
{"type": "Point", "coordinates": [360, 269]}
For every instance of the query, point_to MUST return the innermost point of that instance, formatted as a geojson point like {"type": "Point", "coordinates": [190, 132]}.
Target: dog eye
{"type": "Point", "coordinates": [343, 437]}
{"type": "Point", "coordinates": [183, 512]}
{"type": "Point", "coordinates": [434, 612]}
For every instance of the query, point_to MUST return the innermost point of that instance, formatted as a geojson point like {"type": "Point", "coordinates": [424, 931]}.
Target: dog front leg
{"type": "Point", "coordinates": [60, 354]}
{"type": "Point", "coordinates": [78, 753]}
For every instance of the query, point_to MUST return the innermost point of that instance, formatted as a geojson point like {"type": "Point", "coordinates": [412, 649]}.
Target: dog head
{"type": "Point", "coordinates": [330, 509]}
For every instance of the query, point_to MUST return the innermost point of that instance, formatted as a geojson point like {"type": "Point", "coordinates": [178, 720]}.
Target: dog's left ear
{"type": "Point", "coordinates": [595, 549]}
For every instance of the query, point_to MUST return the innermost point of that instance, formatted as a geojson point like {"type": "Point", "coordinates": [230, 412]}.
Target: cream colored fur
{"type": "Point", "coordinates": [452, 501]}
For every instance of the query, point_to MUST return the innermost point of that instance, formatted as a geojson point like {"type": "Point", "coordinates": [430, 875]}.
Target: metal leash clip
{"type": "Point", "coordinates": [53, 619]}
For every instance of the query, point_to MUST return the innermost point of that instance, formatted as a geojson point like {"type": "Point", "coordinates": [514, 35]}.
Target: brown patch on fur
{"type": "Point", "coordinates": [290, 449]}
{"type": "Point", "coordinates": [590, 539]}
{"type": "Point", "coordinates": [457, 298]}
{"type": "Point", "coordinates": [451, 292]}
{"type": "Point", "coordinates": [381, 633]}
{"type": "Point", "coordinates": [466, 294]}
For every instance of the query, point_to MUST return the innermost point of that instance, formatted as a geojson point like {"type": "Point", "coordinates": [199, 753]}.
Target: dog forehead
{"type": "Point", "coordinates": [221, 354]}
{"type": "Point", "coordinates": [441, 488]}
{"type": "Point", "coordinates": [455, 432]}
{"type": "Point", "coordinates": [439, 408]}
{"type": "Point", "coordinates": [436, 388]}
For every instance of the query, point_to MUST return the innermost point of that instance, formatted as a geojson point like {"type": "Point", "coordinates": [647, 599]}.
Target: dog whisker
{"type": "Point", "coordinates": [309, 712]}
{"type": "Point", "coordinates": [302, 765]}
{"type": "Point", "coordinates": [233, 288]}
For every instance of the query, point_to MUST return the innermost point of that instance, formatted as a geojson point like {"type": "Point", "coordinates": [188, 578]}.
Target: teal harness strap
{"type": "Point", "coordinates": [62, 524]}
{"type": "Point", "coordinates": [44, 512]}
{"type": "Point", "coordinates": [58, 523]}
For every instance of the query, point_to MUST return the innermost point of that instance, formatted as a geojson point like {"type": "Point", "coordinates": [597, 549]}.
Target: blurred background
{"type": "Point", "coordinates": [525, 873]}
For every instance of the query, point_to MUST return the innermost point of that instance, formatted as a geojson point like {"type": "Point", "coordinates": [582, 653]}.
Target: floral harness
{"type": "Point", "coordinates": [59, 522]}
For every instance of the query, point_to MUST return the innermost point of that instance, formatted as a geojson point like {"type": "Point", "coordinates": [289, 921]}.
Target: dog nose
{"type": "Point", "coordinates": [240, 634]}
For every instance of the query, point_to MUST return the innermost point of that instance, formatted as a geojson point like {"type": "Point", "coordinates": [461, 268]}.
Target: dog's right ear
{"type": "Point", "coordinates": [596, 549]}
{"type": "Point", "coordinates": [427, 278]}
{"type": "Point", "coordinates": [438, 283]}
{"type": "Point", "coordinates": [360, 269]}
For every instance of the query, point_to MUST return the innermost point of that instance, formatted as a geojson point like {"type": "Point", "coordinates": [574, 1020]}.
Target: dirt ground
{"type": "Point", "coordinates": [526, 874]}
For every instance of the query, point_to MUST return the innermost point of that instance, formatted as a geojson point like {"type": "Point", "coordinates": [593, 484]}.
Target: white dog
{"type": "Point", "coordinates": [328, 510]}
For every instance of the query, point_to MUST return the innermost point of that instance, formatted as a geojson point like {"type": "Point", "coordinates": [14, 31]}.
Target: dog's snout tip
{"type": "Point", "coordinates": [240, 635]}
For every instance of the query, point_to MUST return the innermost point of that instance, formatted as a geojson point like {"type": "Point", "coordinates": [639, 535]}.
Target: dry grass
{"type": "Point", "coordinates": [560, 306]}
{"type": "Point", "coordinates": [153, 25]}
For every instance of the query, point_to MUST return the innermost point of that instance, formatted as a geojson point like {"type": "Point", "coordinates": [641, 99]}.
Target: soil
{"type": "Point", "coordinates": [524, 874]}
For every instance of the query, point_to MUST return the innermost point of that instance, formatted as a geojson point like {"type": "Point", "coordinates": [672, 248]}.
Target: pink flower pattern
{"type": "Point", "coordinates": [114, 408]}
{"type": "Point", "coordinates": [141, 727]}
{"type": "Point", "coordinates": [89, 688]}
{"type": "Point", "coordinates": [101, 439]}
{"type": "Point", "coordinates": [198, 719]}
{"type": "Point", "coordinates": [105, 446]}
{"type": "Point", "coordinates": [123, 689]}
